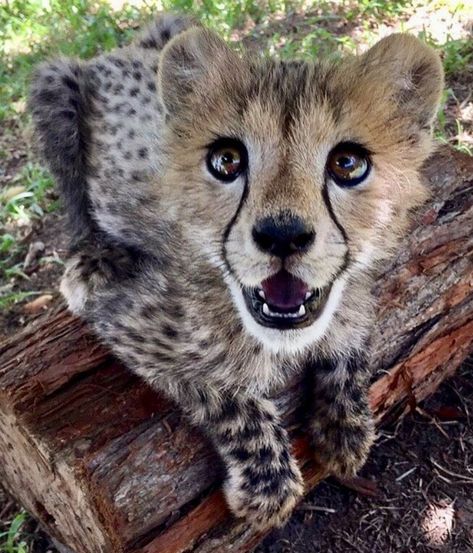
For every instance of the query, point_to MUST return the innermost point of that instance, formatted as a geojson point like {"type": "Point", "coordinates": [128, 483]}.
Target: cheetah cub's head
{"type": "Point", "coordinates": [298, 177]}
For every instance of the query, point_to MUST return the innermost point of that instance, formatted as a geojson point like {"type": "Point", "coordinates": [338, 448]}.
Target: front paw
{"type": "Point", "coordinates": [342, 449]}
{"type": "Point", "coordinates": [264, 494]}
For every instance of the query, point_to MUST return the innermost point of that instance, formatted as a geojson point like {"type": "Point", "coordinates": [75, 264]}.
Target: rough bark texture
{"type": "Point", "coordinates": [109, 466]}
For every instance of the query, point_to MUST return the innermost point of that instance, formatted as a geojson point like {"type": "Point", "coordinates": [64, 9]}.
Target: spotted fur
{"type": "Point", "coordinates": [161, 250]}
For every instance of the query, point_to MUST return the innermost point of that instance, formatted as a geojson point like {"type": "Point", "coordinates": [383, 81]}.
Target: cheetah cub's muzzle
{"type": "Point", "coordinates": [283, 300]}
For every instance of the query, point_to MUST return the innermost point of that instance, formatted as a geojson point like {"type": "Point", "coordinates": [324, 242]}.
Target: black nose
{"type": "Point", "coordinates": [283, 235]}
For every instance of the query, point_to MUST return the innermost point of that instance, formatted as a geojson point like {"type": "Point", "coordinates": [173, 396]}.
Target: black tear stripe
{"type": "Point", "coordinates": [233, 220]}
{"type": "Point", "coordinates": [328, 205]}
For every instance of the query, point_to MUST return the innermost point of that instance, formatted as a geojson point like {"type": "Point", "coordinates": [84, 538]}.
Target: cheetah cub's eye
{"type": "Point", "coordinates": [348, 164]}
{"type": "Point", "coordinates": [227, 159]}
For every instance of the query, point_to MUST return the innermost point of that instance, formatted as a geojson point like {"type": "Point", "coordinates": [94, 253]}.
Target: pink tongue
{"type": "Point", "coordinates": [284, 290]}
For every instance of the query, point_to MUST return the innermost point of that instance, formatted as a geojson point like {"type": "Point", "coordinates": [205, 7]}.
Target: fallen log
{"type": "Point", "coordinates": [107, 465]}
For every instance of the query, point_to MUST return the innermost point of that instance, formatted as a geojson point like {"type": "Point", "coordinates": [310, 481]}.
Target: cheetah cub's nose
{"type": "Point", "coordinates": [283, 235]}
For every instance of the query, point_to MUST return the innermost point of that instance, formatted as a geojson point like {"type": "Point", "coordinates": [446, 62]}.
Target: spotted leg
{"type": "Point", "coordinates": [341, 424]}
{"type": "Point", "coordinates": [263, 482]}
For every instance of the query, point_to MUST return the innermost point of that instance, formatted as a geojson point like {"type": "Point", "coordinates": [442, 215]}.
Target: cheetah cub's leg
{"type": "Point", "coordinates": [263, 482]}
{"type": "Point", "coordinates": [341, 423]}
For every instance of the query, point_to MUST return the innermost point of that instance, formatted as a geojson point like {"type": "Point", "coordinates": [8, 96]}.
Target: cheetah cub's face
{"type": "Point", "coordinates": [295, 178]}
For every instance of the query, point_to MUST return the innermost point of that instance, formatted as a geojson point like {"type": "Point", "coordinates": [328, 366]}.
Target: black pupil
{"type": "Point", "coordinates": [346, 162]}
{"type": "Point", "coordinates": [227, 162]}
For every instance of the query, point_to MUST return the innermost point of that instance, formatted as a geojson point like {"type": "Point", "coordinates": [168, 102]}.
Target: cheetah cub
{"type": "Point", "coordinates": [227, 214]}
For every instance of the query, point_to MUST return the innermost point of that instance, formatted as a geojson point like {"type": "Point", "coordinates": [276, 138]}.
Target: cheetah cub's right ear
{"type": "Point", "coordinates": [195, 66]}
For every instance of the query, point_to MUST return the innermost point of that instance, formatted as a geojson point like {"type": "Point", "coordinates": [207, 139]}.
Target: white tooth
{"type": "Point", "coordinates": [266, 309]}
{"type": "Point", "coordinates": [261, 294]}
{"type": "Point", "coordinates": [301, 311]}
{"type": "Point", "coordinates": [309, 295]}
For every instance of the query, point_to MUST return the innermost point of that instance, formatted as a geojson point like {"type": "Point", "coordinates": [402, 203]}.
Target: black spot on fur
{"type": "Point", "coordinates": [148, 43]}
{"type": "Point", "coordinates": [228, 412]}
{"type": "Point", "coordinates": [240, 454]}
{"type": "Point", "coordinates": [250, 431]}
{"type": "Point", "coordinates": [117, 62]}
{"type": "Point", "coordinates": [284, 456]}
{"type": "Point", "coordinates": [165, 35]}
{"type": "Point", "coordinates": [265, 454]}
{"type": "Point", "coordinates": [70, 83]}
{"type": "Point", "coordinates": [169, 331]}
{"type": "Point", "coordinates": [137, 176]}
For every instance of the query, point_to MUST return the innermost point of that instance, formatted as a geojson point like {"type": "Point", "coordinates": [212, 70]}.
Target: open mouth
{"type": "Point", "coordinates": [284, 301]}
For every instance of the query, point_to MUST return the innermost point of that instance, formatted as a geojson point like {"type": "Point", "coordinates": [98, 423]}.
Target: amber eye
{"type": "Point", "coordinates": [348, 164]}
{"type": "Point", "coordinates": [227, 159]}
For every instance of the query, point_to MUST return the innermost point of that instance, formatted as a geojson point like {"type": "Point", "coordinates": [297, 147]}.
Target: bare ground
{"type": "Point", "coordinates": [420, 481]}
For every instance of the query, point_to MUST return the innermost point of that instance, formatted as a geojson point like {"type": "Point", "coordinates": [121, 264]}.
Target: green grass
{"type": "Point", "coordinates": [318, 43]}
{"type": "Point", "coordinates": [36, 182]}
{"type": "Point", "coordinates": [29, 202]}
{"type": "Point", "coordinates": [13, 541]}
{"type": "Point", "coordinates": [377, 9]}
{"type": "Point", "coordinates": [457, 59]}
{"type": "Point", "coordinates": [456, 54]}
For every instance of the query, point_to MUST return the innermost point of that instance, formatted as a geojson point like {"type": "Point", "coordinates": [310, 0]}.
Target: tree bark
{"type": "Point", "coordinates": [107, 465]}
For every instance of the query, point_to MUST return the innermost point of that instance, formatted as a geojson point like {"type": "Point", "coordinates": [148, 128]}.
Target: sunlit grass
{"type": "Point", "coordinates": [22, 202]}
{"type": "Point", "coordinates": [13, 541]}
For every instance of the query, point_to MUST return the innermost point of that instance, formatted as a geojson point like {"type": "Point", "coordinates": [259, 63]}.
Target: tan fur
{"type": "Point", "coordinates": [164, 251]}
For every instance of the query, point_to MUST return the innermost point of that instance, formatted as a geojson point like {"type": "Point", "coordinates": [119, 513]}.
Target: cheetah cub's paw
{"type": "Point", "coordinates": [264, 495]}
{"type": "Point", "coordinates": [93, 267]}
{"type": "Point", "coordinates": [75, 287]}
{"type": "Point", "coordinates": [343, 449]}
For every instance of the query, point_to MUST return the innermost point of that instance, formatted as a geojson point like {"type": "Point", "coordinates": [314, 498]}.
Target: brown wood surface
{"type": "Point", "coordinates": [110, 466]}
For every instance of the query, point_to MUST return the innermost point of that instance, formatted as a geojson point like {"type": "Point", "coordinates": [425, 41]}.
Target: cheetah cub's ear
{"type": "Point", "coordinates": [193, 66]}
{"type": "Point", "coordinates": [408, 74]}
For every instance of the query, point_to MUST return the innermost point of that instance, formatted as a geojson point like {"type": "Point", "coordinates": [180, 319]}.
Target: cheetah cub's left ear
{"type": "Point", "coordinates": [195, 66]}
{"type": "Point", "coordinates": [402, 69]}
